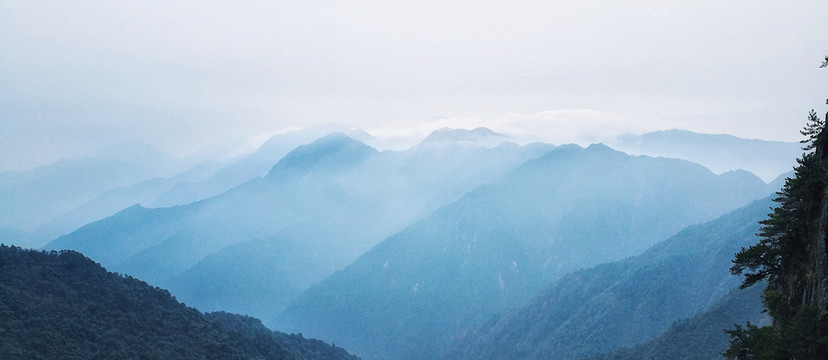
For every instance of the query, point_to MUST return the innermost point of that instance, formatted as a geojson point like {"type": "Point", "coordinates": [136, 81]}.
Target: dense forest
{"type": "Point", "coordinates": [62, 305]}
{"type": "Point", "coordinates": [792, 256]}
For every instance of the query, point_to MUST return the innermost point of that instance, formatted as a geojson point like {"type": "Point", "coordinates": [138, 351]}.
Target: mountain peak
{"type": "Point", "coordinates": [600, 147]}
{"type": "Point", "coordinates": [480, 136]}
{"type": "Point", "coordinates": [335, 151]}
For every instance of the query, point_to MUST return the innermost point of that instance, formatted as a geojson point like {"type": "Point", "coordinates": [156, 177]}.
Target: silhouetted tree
{"type": "Point", "coordinates": [792, 255]}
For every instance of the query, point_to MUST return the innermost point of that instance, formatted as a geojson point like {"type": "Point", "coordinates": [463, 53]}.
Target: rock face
{"type": "Point", "coordinates": [817, 291]}
{"type": "Point", "coordinates": [803, 282]}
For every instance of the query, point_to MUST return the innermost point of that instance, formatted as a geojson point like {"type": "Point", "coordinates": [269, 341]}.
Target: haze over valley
{"type": "Point", "coordinates": [413, 180]}
{"type": "Point", "coordinates": [400, 254]}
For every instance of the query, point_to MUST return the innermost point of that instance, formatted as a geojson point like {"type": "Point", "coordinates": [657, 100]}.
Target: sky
{"type": "Point", "coordinates": [185, 76]}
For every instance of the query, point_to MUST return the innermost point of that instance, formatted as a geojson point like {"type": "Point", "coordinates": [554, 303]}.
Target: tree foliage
{"type": "Point", "coordinates": [791, 257]}
{"type": "Point", "coordinates": [783, 233]}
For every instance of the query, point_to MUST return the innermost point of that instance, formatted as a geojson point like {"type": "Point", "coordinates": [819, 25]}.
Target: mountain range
{"type": "Point", "coordinates": [323, 204]}
{"type": "Point", "coordinates": [718, 152]}
{"type": "Point", "coordinates": [498, 245]}
{"type": "Point", "coordinates": [464, 246]}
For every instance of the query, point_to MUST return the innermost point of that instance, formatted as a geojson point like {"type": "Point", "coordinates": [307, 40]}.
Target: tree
{"type": "Point", "coordinates": [792, 257]}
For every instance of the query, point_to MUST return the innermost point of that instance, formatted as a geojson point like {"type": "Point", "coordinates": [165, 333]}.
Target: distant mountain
{"type": "Point", "coordinates": [463, 137]}
{"type": "Point", "coordinates": [624, 303]}
{"type": "Point", "coordinates": [720, 153]}
{"type": "Point", "coordinates": [159, 243]}
{"type": "Point", "coordinates": [246, 168]}
{"type": "Point", "coordinates": [32, 198]}
{"type": "Point", "coordinates": [501, 243]}
{"type": "Point", "coordinates": [700, 337]}
{"type": "Point", "coordinates": [415, 181]}
{"type": "Point", "coordinates": [61, 305]}
{"type": "Point", "coordinates": [330, 154]}
{"type": "Point", "coordinates": [29, 200]}
{"type": "Point", "coordinates": [112, 201]}
{"type": "Point", "coordinates": [140, 154]}
{"type": "Point", "coordinates": [254, 248]}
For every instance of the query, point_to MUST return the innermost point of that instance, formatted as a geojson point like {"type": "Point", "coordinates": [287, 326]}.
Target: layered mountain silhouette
{"type": "Point", "coordinates": [51, 200]}
{"type": "Point", "coordinates": [114, 200]}
{"type": "Point", "coordinates": [247, 167]}
{"type": "Point", "coordinates": [158, 243]}
{"type": "Point", "coordinates": [32, 198]}
{"type": "Point", "coordinates": [719, 152]}
{"type": "Point", "coordinates": [321, 205]}
{"type": "Point", "coordinates": [498, 245]}
{"type": "Point", "coordinates": [443, 250]}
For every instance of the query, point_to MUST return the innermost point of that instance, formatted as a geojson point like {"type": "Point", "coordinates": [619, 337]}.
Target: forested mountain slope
{"type": "Point", "coordinates": [62, 305]}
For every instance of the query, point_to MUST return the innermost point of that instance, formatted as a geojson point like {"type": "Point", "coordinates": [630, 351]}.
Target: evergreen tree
{"type": "Point", "coordinates": [792, 256]}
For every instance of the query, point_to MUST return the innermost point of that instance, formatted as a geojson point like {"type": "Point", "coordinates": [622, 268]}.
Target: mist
{"type": "Point", "coordinates": [187, 76]}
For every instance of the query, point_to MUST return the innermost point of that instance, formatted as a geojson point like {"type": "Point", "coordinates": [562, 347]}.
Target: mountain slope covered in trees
{"type": "Point", "coordinates": [62, 305]}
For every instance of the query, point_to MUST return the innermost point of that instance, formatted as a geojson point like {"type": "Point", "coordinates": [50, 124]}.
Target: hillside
{"type": "Point", "coordinates": [624, 303]}
{"type": "Point", "coordinates": [62, 305]}
{"type": "Point", "coordinates": [700, 337]}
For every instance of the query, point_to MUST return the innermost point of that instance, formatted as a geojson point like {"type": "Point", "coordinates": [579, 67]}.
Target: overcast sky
{"type": "Point", "coordinates": [181, 75]}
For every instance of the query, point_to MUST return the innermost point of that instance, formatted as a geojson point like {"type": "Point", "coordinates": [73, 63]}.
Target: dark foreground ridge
{"type": "Point", "coordinates": [62, 305]}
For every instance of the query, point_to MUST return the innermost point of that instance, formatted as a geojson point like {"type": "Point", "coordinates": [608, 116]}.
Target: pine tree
{"type": "Point", "coordinates": [792, 257]}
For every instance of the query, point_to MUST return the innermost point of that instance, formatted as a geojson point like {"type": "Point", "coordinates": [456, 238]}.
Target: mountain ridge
{"type": "Point", "coordinates": [766, 159]}
{"type": "Point", "coordinates": [319, 204]}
